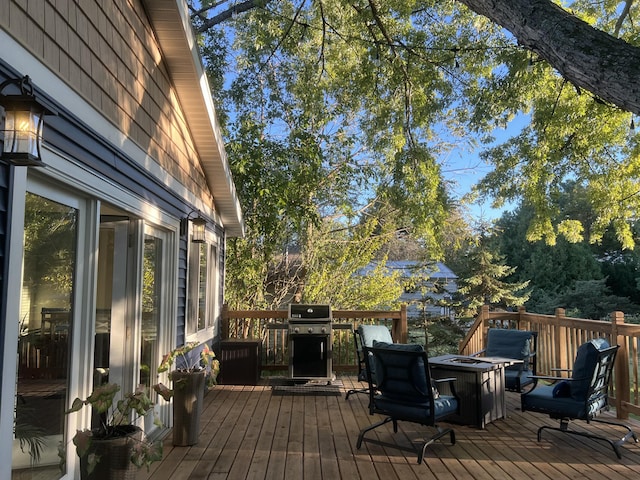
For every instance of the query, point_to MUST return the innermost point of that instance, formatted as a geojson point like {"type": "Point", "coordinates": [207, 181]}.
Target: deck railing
{"type": "Point", "coordinates": [271, 327]}
{"type": "Point", "coordinates": [558, 340]}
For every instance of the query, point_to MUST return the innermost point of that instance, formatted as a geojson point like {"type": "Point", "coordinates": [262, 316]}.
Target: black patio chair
{"type": "Point", "coordinates": [404, 392]}
{"type": "Point", "coordinates": [519, 345]}
{"type": "Point", "coordinates": [580, 397]}
{"type": "Point", "coordinates": [366, 335]}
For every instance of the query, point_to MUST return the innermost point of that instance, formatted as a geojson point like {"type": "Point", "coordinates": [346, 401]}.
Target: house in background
{"type": "Point", "coordinates": [429, 288]}
{"type": "Point", "coordinates": [99, 275]}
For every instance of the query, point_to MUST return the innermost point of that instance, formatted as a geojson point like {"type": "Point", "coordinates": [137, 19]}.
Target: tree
{"type": "Point", "coordinates": [604, 274]}
{"type": "Point", "coordinates": [587, 57]}
{"type": "Point", "coordinates": [587, 299]}
{"type": "Point", "coordinates": [336, 258]}
{"type": "Point", "coordinates": [550, 269]}
{"type": "Point", "coordinates": [367, 98]}
{"type": "Point", "coordinates": [483, 283]}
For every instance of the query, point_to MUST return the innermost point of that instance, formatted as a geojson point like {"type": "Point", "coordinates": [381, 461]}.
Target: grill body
{"type": "Point", "coordinates": [310, 342]}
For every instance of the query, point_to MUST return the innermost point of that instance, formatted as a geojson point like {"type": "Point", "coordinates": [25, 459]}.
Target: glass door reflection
{"type": "Point", "coordinates": [49, 266]}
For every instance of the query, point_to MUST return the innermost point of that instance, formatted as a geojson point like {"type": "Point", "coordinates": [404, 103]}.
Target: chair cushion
{"type": "Point", "coordinates": [584, 366]}
{"type": "Point", "coordinates": [541, 399]}
{"type": "Point", "coordinates": [371, 333]}
{"type": "Point", "coordinates": [508, 343]}
{"type": "Point", "coordinates": [561, 389]}
{"type": "Point", "coordinates": [399, 366]}
{"type": "Point", "coordinates": [368, 335]}
{"type": "Point", "coordinates": [403, 347]}
{"type": "Point", "coordinates": [417, 412]}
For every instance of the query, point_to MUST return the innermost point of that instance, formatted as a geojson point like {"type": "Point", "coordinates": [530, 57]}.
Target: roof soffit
{"type": "Point", "coordinates": [172, 26]}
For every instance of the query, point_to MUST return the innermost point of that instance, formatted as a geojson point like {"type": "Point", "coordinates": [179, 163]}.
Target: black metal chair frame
{"type": "Point", "coordinates": [379, 389]}
{"type": "Point", "coordinates": [362, 366]}
{"type": "Point", "coordinates": [597, 394]}
{"type": "Point", "coordinates": [362, 376]}
{"type": "Point", "coordinates": [529, 361]}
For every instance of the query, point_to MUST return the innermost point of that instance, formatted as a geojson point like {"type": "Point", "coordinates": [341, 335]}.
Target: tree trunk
{"type": "Point", "coordinates": [589, 58]}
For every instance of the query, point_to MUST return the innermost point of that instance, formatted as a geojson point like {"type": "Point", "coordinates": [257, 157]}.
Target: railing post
{"type": "Point", "coordinates": [522, 325]}
{"type": "Point", "coordinates": [484, 315]}
{"type": "Point", "coordinates": [224, 322]}
{"type": "Point", "coordinates": [399, 328]}
{"type": "Point", "coordinates": [561, 342]}
{"type": "Point", "coordinates": [621, 368]}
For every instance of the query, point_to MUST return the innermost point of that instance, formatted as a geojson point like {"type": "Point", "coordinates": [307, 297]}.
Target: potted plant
{"type": "Point", "coordinates": [114, 449]}
{"type": "Point", "coordinates": [192, 374]}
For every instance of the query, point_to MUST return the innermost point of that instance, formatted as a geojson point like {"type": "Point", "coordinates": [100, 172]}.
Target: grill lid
{"type": "Point", "coordinates": [301, 312]}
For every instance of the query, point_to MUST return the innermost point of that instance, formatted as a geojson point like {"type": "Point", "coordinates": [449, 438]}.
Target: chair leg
{"type": "Point", "coordinates": [369, 428]}
{"type": "Point", "coordinates": [421, 450]}
{"type": "Point", "coordinates": [625, 438]}
{"type": "Point", "coordinates": [356, 390]}
{"type": "Point", "coordinates": [564, 427]}
{"type": "Point", "coordinates": [441, 433]}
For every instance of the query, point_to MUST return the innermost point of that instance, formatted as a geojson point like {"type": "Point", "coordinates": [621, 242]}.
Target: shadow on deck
{"type": "Point", "coordinates": [258, 433]}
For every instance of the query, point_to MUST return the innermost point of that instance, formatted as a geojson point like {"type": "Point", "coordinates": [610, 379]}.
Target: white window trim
{"type": "Point", "coordinates": [212, 307]}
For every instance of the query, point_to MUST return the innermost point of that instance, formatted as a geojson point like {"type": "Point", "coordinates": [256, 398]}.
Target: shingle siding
{"type": "Point", "coordinates": [106, 51]}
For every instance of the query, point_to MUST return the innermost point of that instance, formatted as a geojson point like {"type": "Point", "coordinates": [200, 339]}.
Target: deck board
{"type": "Point", "coordinates": [248, 432]}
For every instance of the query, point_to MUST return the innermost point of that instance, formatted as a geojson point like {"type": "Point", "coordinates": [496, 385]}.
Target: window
{"type": "Point", "coordinates": [201, 287]}
{"type": "Point", "coordinates": [49, 273]}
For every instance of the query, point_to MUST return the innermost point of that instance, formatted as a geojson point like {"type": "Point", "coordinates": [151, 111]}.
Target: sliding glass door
{"type": "Point", "coordinates": [131, 301]}
{"type": "Point", "coordinates": [112, 309]}
{"type": "Point", "coordinates": [46, 323]}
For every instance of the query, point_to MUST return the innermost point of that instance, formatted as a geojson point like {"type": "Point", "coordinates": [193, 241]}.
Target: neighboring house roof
{"type": "Point", "coordinates": [410, 268]}
{"type": "Point", "coordinates": [172, 26]}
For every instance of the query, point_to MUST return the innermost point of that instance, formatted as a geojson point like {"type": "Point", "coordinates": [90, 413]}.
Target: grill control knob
{"type": "Point", "coordinates": [296, 330]}
{"type": "Point", "coordinates": [324, 330]}
{"type": "Point", "coordinates": [310, 330]}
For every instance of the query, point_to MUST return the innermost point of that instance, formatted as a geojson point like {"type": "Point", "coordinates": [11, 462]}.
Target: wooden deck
{"type": "Point", "coordinates": [254, 433]}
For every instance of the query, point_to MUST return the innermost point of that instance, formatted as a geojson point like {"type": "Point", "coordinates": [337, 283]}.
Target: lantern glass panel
{"type": "Point", "coordinates": [198, 233]}
{"type": "Point", "coordinates": [22, 132]}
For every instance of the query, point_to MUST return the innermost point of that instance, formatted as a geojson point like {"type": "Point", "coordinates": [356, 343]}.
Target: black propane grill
{"type": "Point", "coordinates": [310, 342]}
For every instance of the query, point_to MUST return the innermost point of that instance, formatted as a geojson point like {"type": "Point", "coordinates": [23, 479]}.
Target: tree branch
{"type": "Point", "coordinates": [593, 60]}
{"type": "Point", "coordinates": [623, 15]}
{"type": "Point", "coordinates": [234, 10]}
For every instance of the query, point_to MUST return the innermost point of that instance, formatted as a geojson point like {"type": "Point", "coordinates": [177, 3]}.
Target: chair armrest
{"type": "Point", "coordinates": [442, 380]}
{"type": "Point", "coordinates": [561, 369]}
{"type": "Point", "coordinates": [551, 378]}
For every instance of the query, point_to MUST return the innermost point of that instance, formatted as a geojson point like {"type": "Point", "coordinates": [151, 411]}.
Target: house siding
{"type": "Point", "coordinates": [121, 146]}
{"type": "Point", "coordinates": [107, 53]}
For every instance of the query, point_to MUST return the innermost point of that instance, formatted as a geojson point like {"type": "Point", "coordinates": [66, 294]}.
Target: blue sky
{"type": "Point", "coordinates": [463, 167]}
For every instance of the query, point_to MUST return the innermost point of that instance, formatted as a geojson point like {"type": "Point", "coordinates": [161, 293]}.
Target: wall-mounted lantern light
{"type": "Point", "coordinates": [199, 223]}
{"type": "Point", "coordinates": [22, 133]}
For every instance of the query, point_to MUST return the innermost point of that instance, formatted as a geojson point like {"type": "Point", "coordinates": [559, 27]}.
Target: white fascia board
{"type": "Point", "coordinates": [172, 26]}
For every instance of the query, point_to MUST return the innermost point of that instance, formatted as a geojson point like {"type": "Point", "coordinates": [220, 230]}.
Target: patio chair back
{"type": "Point", "coordinates": [580, 397]}
{"type": "Point", "coordinates": [365, 335]}
{"type": "Point", "coordinates": [403, 391]}
{"type": "Point", "coordinates": [516, 344]}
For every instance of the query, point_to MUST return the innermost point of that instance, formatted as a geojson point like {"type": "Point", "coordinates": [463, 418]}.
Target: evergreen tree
{"type": "Point", "coordinates": [560, 273]}
{"type": "Point", "coordinates": [484, 281]}
{"type": "Point", "coordinates": [587, 299]}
